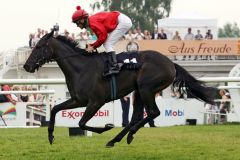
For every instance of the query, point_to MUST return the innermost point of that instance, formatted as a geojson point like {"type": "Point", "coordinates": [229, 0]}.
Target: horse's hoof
{"type": "Point", "coordinates": [51, 139]}
{"type": "Point", "coordinates": [109, 126]}
{"type": "Point", "coordinates": [129, 138]}
{"type": "Point", "coordinates": [110, 145]}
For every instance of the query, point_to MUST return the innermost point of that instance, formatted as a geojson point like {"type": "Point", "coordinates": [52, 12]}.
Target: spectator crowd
{"type": "Point", "coordinates": [14, 98]}
{"type": "Point", "coordinates": [132, 35]}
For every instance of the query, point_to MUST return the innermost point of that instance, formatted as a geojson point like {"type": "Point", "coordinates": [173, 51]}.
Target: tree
{"type": "Point", "coordinates": [143, 13]}
{"type": "Point", "coordinates": [229, 31]}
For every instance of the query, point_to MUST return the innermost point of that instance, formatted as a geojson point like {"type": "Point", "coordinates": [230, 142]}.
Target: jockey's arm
{"type": "Point", "coordinates": [100, 32]}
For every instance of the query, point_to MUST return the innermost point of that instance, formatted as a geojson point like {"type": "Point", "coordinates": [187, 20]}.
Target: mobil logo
{"type": "Point", "coordinates": [174, 113]}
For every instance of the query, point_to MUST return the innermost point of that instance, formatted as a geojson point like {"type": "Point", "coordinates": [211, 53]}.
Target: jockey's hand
{"type": "Point", "coordinates": [90, 48]}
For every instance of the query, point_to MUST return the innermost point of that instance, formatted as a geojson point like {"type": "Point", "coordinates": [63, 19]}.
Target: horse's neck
{"type": "Point", "coordinates": [69, 61]}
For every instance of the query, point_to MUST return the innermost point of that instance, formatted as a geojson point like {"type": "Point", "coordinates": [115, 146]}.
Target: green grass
{"type": "Point", "coordinates": [220, 142]}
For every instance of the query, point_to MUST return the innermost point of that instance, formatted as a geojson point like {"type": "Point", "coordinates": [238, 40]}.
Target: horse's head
{"type": "Point", "coordinates": [41, 54]}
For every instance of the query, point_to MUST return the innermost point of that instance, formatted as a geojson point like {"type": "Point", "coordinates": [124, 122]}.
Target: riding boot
{"type": "Point", "coordinates": [114, 68]}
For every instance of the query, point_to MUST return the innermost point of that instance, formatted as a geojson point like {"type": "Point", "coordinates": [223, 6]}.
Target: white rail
{"type": "Point", "coordinates": [220, 79]}
{"type": "Point", "coordinates": [29, 92]}
{"type": "Point", "coordinates": [228, 87]}
{"type": "Point", "coordinates": [62, 80]}
{"type": "Point", "coordinates": [32, 81]}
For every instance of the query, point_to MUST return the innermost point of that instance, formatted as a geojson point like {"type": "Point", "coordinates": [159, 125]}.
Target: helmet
{"type": "Point", "coordinates": [79, 14]}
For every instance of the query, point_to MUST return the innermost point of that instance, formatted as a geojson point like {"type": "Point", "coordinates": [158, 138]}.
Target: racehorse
{"type": "Point", "coordinates": [88, 88]}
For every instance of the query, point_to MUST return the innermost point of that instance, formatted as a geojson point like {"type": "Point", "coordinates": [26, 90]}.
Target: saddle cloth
{"type": "Point", "coordinates": [126, 60]}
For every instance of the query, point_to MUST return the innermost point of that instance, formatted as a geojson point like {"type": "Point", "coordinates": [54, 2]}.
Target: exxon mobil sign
{"type": "Point", "coordinates": [174, 113]}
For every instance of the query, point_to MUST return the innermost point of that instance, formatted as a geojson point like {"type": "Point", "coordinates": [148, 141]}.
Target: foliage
{"type": "Point", "coordinates": [219, 142]}
{"type": "Point", "coordinates": [144, 13]}
{"type": "Point", "coordinates": [229, 31]}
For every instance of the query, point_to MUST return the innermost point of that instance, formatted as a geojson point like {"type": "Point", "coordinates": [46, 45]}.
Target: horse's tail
{"type": "Point", "coordinates": [185, 83]}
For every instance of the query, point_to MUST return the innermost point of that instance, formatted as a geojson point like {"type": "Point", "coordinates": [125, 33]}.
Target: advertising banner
{"type": "Point", "coordinates": [173, 112]}
{"type": "Point", "coordinates": [196, 47]}
{"type": "Point", "coordinates": [13, 115]}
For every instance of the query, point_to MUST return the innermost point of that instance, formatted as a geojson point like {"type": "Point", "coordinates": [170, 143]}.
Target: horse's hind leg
{"type": "Point", "coordinates": [148, 99]}
{"type": "Point", "coordinates": [69, 104]}
{"type": "Point", "coordinates": [120, 136]}
{"type": "Point", "coordinates": [136, 117]}
{"type": "Point", "coordinates": [90, 111]}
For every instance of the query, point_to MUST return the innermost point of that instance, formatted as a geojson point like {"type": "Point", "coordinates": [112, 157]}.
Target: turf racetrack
{"type": "Point", "coordinates": [220, 142]}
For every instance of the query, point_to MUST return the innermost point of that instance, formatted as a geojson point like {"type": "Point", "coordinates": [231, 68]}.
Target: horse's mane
{"type": "Point", "coordinates": [73, 44]}
{"type": "Point", "coordinates": [67, 41]}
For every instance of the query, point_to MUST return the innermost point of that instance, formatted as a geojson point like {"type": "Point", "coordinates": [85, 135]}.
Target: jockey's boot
{"type": "Point", "coordinates": [114, 68]}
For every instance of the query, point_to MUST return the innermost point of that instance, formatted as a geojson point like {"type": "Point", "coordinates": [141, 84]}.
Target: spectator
{"type": "Point", "coordinates": [198, 36]}
{"type": "Point", "coordinates": [155, 34]}
{"type": "Point", "coordinates": [24, 97]}
{"type": "Point", "coordinates": [31, 97]}
{"type": "Point", "coordinates": [147, 35]}
{"type": "Point", "coordinates": [83, 39]}
{"type": "Point", "coordinates": [188, 36]}
{"type": "Point", "coordinates": [130, 36]}
{"type": "Point", "coordinates": [3, 97]}
{"type": "Point", "coordinates": [15, 96]}
{"type": "Point", "coordinates": [39, 32]}
{"type": "Point", "coordinates": [163, 35]}
{"type": "Point", "coordinates": [42, 33]}
{"type": "Point", "coordinates": [139, 35]}
{"type": "Point", "coordinates": [209, 35]}
{"type": "Point", "coordinates": [35, 40]}
{"type": "Point", "coordinates": [66, 34]}
{"type": "Point", "coordinates": [31, 38]}
{"type": "Point", "coordinates": [37, 97]}
{"type": "Point", "coordinates": [225, 105]}
{"type": "Point", "coordinates": [125, 102]}
{"type": "Point", "coordinates": [176, 36]}
{"type": "Point", "coordinates": [8, 96]}
{"type": "Point", "coordinates": [211, 116]}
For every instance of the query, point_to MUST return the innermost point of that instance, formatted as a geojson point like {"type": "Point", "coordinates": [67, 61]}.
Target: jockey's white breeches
{"type": "Point", "coordinates": [124, 24]}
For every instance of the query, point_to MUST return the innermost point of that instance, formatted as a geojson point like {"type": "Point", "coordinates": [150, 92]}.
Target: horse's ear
{"type": "Point", "coordinates": [51, 33]}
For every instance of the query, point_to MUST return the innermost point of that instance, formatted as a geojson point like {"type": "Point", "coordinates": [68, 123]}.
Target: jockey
{"type": "Point", "coordinates": [109, 27]}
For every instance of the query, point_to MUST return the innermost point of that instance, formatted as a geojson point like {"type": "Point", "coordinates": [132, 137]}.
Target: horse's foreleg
{"type": "Point", "coordinates": [90, 111]}
{"type": "Point", "coordinates": [69, 104]}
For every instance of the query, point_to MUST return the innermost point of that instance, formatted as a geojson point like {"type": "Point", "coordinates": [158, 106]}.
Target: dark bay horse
{"type": "Point", "coordinates": [88, 88]}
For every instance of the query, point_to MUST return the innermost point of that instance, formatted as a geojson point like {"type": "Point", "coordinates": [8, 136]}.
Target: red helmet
{"type": "Point", "coordinates": [79, 14]}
